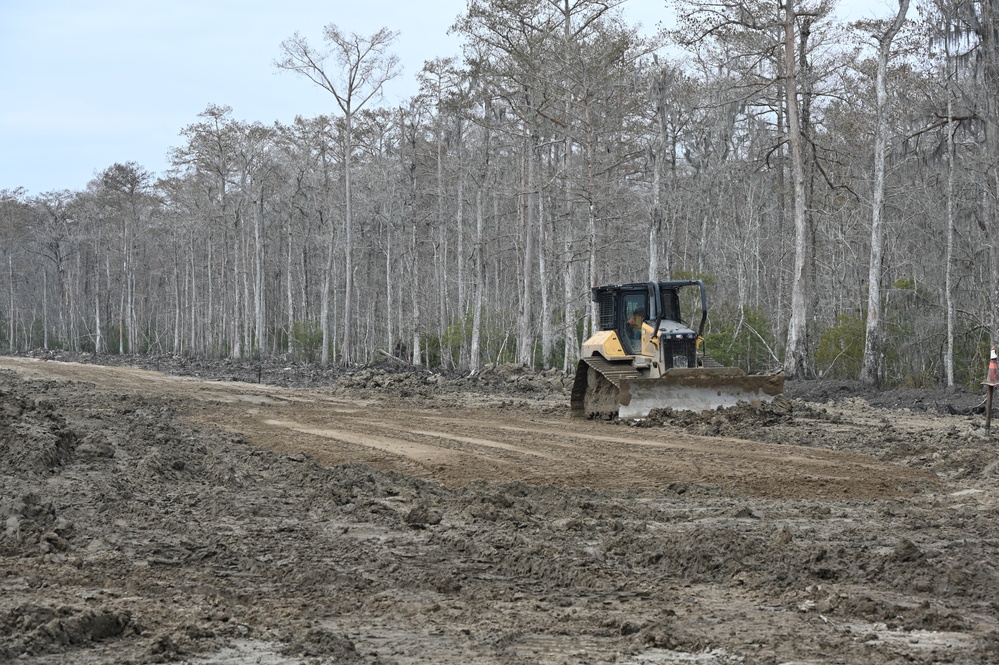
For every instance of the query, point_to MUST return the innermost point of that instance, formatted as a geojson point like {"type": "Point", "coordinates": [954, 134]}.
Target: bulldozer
{"type": "Point", "coordinates": [644, 357]}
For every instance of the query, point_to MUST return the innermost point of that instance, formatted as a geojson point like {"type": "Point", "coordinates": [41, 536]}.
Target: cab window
{"type": "Point", "coordinates": [635, 313]}
{"type": "Point", "coordinates": [671, 304]}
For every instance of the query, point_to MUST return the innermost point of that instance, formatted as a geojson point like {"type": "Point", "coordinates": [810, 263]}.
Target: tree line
{"type": "Point", "coordinates": [834, 184]}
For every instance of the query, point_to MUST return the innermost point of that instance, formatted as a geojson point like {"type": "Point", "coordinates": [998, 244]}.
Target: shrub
{"type": "Point", "coordinates": [841, 348]}
{"type": "Point", "coordinates": [741, 339]}
{"type": "Point", "coordinates": [307, 340]}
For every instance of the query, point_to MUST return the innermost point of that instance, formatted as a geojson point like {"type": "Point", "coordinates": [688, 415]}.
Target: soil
{"type": "Point", "coordinates": [167, 510]}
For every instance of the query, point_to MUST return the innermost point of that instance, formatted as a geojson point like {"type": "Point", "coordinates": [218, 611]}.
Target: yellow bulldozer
{"type": "Point", "coordinates": [644, 357]}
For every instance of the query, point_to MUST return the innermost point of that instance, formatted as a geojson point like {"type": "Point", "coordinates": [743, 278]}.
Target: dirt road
{"type": "Point", "coordinates": [160, 518]}
{"type": "Point", "coordinates": [454, 444]}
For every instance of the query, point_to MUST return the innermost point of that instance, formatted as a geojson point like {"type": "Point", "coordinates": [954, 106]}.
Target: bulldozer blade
{"type": "Point", "coordinates": [700, 389]}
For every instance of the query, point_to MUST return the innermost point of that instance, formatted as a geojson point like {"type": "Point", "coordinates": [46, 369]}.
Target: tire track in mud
{"type": "Point", "coordinates": [422, 458]}
{"type": "Point", "coordinates": [457, 448]}
{"type": "Point", "coordinates": [444, 453]}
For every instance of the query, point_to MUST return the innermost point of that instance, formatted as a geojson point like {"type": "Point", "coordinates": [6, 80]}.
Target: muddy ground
{"type": "Point", "coordinates": [383, 515]}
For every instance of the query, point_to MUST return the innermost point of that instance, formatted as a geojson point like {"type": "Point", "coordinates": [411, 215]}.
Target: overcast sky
{"type": "Point", "coordinates": [86, 84]}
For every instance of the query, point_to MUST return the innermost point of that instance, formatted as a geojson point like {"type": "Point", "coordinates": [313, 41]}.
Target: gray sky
{"type": "Point", "coordinates": [86, 84]}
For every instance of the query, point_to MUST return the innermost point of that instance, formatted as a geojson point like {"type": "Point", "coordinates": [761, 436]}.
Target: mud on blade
{"type": "Point", "coordinates": [701, 389]}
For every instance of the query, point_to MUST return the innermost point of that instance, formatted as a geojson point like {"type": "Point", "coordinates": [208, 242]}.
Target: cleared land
{"type": "Point", "coordinates": [406, 517]}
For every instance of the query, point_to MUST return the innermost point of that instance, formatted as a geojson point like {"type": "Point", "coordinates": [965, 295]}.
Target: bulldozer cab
{"type": "Point", "coordinates": [624, 308]}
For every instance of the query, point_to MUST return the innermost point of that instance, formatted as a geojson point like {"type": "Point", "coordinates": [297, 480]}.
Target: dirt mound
{"type": "Point", "coordinates": [47, 630]}
{"type": "Point", "coordinates": [504, 380]}
{"type": "Point", "coordinates": [28, 523]}
{"type": "Point", "coordinates": [956, 400]}
{"type": "Point", "coordinates": [726, 422]}
{"type": "Point", "coordinates": [387, 375]}
{"type": "Point", "coordinates": [320, 642]}
{"type": "Point", "coordinates": [34, 439]}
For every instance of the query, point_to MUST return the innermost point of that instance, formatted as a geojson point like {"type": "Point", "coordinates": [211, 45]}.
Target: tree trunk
{"type": "Point", "coordinates": [655, 218]}
{"type": "Point", "coordinates": [796, 354]}
{"type": "Point", "coordinates": [10, 286]}
{"type": "Point", "coordinates": [990, 75]}
{"type": "Point", "coordinates": [347, 351]}
{"type": "Point", "coordinates": [440, 261]}
{"type": "Point", "coordinates": [591, 223]}
{"type": "Point", "coordinates": [459, 219]}
{"type": "Point", "coordinates": [949, 258]}
{"type": "Point", "coordinates": [544, 279]}
{"type": "Point", "coordinates": [474, 353]}
{"type": "Point", "coordinates": [324, 307]}
{"type": "Point", "coordinates": [178, 297]}
{"type": "Point", "coordinates": [525, 348]}
{"type": "Point", "coordinates": [571, 344]}
{"type": "Point", "coordinates": [290, 290]}
{"type": "Point", "coordinates": [871, 369]}
{"type": "Point", "coordinates": [414, 291]}
{"type": "Point", "coordinates": [98, 324]}
{"type": "Point", "coordinates": [390, 305]}
{"type": "Point", "coordinates": [260, 329]}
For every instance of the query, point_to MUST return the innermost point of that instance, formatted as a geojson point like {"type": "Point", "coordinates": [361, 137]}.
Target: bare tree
{"type": "Point", "coordinates": [13, 210]}
{"type": "Point", "coordinates": [763, 44]}
{"type": "Point", "coordinates": [353, 69]}
{"type": "Point", "coordinates": [796, 352]}
{"type": "Point", "coordinates": [871, 369]}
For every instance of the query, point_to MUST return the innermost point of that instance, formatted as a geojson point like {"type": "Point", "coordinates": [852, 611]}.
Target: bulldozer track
{"type": "Point", "coordinates": [594, 376]}
{"type": "Point", "coordinates": [613, 371]}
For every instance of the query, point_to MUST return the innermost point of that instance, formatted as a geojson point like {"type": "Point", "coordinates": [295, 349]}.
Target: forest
{"type": "Point", "coordinates": [834, 184]}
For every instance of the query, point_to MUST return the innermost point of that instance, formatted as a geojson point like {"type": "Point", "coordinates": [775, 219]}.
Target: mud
{"type": "Point", "coordinates": [393, 516]}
